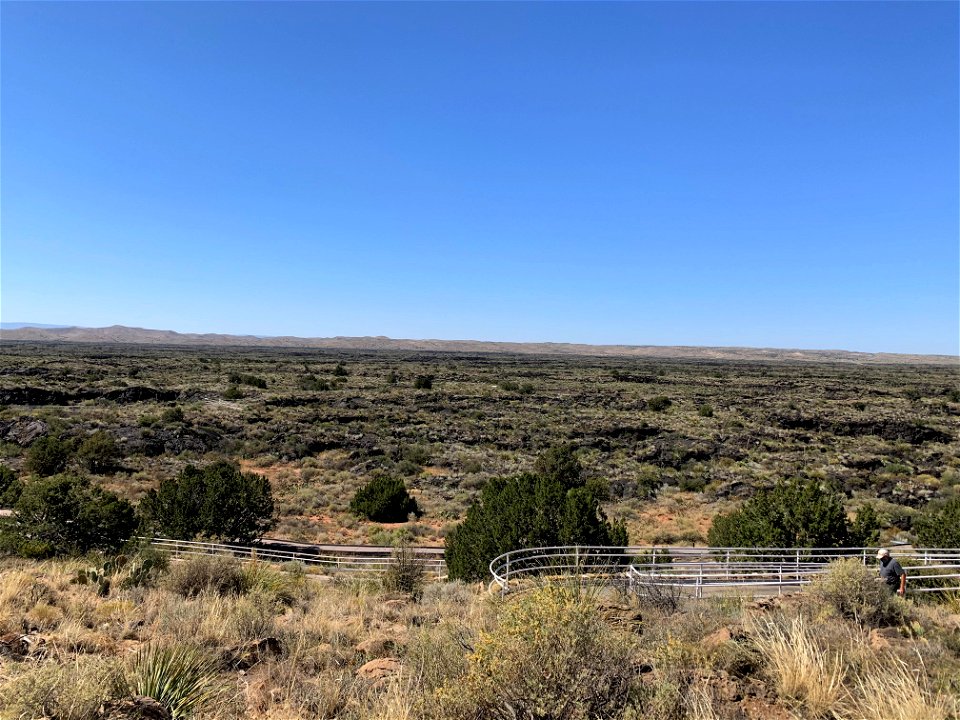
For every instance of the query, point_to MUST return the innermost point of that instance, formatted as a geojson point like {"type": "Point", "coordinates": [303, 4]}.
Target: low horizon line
{"type": "Point", "coordinates": [50, 326]}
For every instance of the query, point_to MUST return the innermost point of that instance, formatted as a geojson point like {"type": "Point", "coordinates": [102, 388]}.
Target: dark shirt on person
{"type": "Point", "coordinates": [890, 573]}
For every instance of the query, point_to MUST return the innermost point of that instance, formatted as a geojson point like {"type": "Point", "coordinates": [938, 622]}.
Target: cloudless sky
{"type": "Point", "coordinates": [770, 174]}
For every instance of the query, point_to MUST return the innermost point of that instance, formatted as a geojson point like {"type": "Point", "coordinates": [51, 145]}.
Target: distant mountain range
{"type": "Point", "coordinates": [31, 332]}
{"type": "Point", "coordinates": [18, 325]}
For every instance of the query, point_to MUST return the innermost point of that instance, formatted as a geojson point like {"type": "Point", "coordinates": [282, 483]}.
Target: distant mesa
{"type": "Point", "coordinates": [18, 325]}
{"type": "Point", "coordinates": [120, 334]}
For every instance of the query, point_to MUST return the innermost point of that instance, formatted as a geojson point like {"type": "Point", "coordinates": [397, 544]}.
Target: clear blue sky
{"type": "Point", "coordinates": [764, 174]}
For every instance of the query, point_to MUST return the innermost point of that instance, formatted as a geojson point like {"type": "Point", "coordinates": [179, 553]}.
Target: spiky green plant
{"type": "Point", "coordinates": [177, 676]}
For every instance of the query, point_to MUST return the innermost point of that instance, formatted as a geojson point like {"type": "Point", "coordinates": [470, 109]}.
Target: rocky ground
{"type": "Point", "coordinates": [278, 644]}
{"type": "Point", "coordinates": [676, 440]}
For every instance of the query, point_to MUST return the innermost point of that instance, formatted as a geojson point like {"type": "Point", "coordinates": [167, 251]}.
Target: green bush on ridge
{"type": "Point", "coordinates": [554, 505]}
{"type": "Point", "coordinates": [939, 525]}
{"type": "Point", "coordinates": [48, 456]}
{"type": "Point", "coordinates": [794, 513]}
{"type": "Point", "coordinates": [217, 501]}
{"type": "Point", "coordinates": [384, 499]}
{"type": "Point", "coordinates": [68, 515]}
{"type": "Point", "coordinates": [99, 452]}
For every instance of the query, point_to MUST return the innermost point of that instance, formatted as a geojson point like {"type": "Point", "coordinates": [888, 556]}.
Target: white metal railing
{"type": "Point", "coordinates": [697, 572]}
{"type": "Point", "coordinates": [359, 560]}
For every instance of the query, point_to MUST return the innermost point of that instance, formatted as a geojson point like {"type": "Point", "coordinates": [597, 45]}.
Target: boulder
{"type": "Point", "coordinates": [717, 638]}
{"type": "Point", "coordinates": [23, 431]}
{"type": "Point", "coordinates": [883, 638]}
{"type": "Point", "coordinates": [379, 669]}
{"type": "Point", "coordinates": [138, 707]}
{"type": "Point", "coordinates": [14, 645]}
{"type": "Point", "coordinates": [376, 646]}
{"type": "Point", "coordinates": [245, 656]}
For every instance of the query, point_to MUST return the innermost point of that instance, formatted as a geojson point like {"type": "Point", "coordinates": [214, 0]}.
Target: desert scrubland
{"type": "Point", "coordinates": [674, 442]}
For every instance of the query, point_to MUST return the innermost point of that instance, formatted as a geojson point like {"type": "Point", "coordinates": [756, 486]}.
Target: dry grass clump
{"type": "Point", "coordinates": [804, 672]}
{"type": "Point", "coordinates": [210, 619]}
{"type": "Point", "coordinates": [406, 573]}
{"type": "Point", "coordinates": [893, 690]}
{"type": "Point", "coordinates": [285, 586]}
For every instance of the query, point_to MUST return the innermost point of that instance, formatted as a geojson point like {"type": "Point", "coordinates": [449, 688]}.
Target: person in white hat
{"type": "Point", "coordinates": [891, 573]}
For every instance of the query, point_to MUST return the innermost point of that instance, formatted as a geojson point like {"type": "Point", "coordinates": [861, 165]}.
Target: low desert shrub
{"type": "Point", "coordinates": [405, 574]}
{"type": "Point", "coordinates": [659, 403]}
{"type": "Point", "coordinates": [172, 415]}
{"type": "Point", "coordinates": [99, 452]}
{"type": "Point", "coordinates": [48, 456]}
{"type": "Point", "coordinates": [857, 593]}
{"type": "Point", "coordinates": [72, 690]}
{"type": "Point", "coordinates": [245, 379]}
{"type": "Point", "coordinates": [208, 573]}
{"type": "Point", "coordinates": [552, 656]}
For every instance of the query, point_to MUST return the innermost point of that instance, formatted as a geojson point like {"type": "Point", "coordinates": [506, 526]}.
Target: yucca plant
{"type": "Point", "coordinates": [179, 677]}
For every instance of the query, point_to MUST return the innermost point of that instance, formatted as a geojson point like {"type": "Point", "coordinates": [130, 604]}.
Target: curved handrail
{"type": "Point", "coordinates": [699, 570]}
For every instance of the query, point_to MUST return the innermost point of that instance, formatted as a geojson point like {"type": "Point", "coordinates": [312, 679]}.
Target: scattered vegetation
{"type": "Point", "coordinates": [887, 436]}
{"type": "Point", "coordinates": [868, 446]}
{"type": "Point", "coordinates": [273, 644]}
